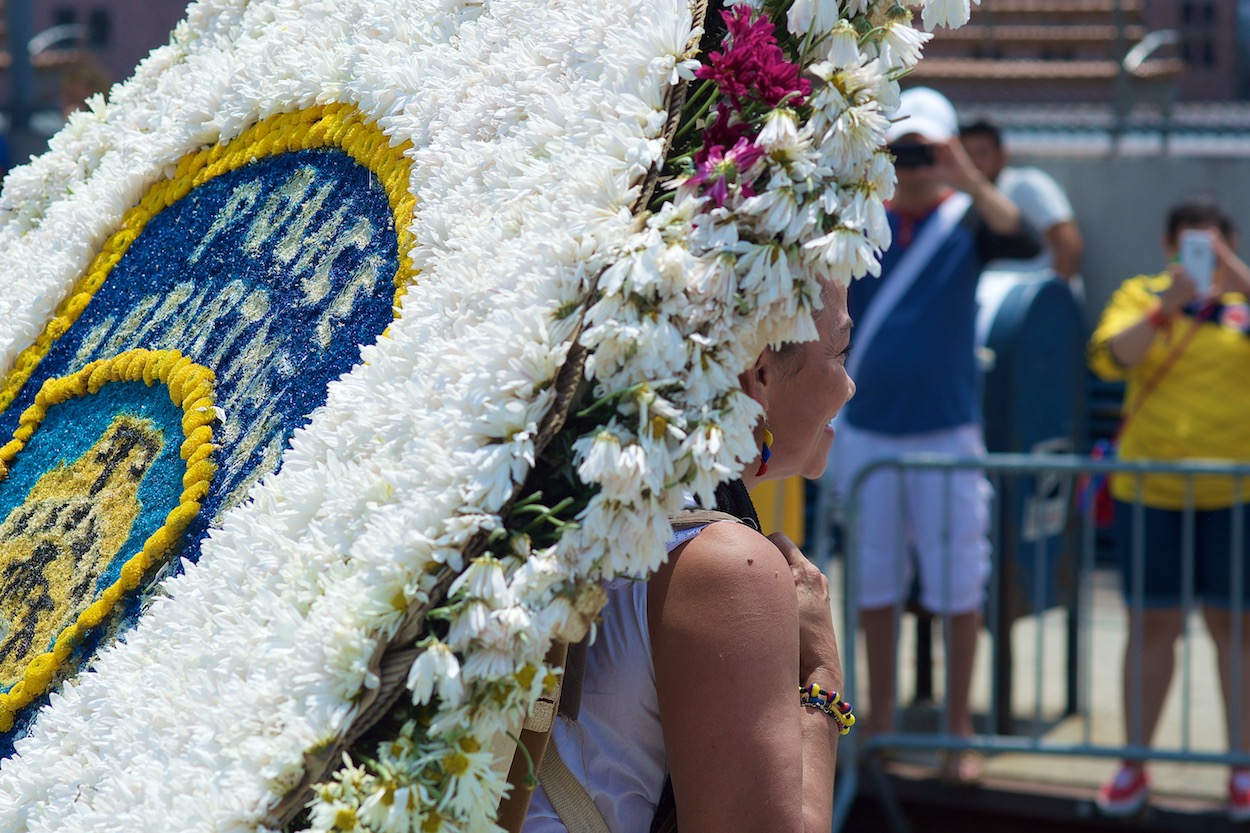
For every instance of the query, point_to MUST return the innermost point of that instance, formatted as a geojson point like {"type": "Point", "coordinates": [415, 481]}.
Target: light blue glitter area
{"type": "Point", "coordinates": [72, 427]}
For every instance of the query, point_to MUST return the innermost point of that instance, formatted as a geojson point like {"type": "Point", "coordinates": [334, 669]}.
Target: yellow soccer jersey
{"type": "Point", "coordinates": [1199, 408]}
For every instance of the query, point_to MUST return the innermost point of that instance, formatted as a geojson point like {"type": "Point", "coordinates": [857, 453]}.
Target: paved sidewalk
{"type": "Point", "coordinates": [1184, 786]}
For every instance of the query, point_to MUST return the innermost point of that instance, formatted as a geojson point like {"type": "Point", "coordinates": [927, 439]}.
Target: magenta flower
{"type": "Point", "coordinates": [753, 69]}
{"type": "Point", "coordinates": [721, 133]}
{"type": "Point", "coordinates": [721, 169]}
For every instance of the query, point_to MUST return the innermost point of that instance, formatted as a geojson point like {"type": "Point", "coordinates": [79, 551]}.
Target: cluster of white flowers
{"type": "Point", "coordinates": [532, 126]}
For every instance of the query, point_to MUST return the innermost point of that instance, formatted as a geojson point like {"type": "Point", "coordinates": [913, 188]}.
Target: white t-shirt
{"type": "Point", "coordinates": [615, 748]}
{"type": "Point", "coordinates": [1042, 203]}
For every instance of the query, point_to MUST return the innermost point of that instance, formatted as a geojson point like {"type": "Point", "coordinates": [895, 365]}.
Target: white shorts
{"type": "Point", "coordinates": [937, 518]}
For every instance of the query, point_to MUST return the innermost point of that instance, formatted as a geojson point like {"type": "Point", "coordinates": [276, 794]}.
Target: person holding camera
{"type": "Point", "coordinates": [1181, 340]}
{"type": "Point", "coordinates": [919, 390]}
{"type": "Point", "coordinates": [1042, 202]}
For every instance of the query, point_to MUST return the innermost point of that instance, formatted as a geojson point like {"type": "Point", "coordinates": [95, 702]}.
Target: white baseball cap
{"type": "Point", "coordinates": [924, 111]}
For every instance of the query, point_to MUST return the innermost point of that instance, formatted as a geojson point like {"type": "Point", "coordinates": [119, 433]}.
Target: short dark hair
{"type": "Point", "coordinates": [983, 127]}
{"type": "Point", "coordinates": [1196, 214]}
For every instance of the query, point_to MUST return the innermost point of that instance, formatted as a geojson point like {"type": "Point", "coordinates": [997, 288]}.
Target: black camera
{"type": "Point", "coordinates": [912, 156]}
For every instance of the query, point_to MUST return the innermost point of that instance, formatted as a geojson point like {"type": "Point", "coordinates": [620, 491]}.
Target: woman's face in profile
{"type": "Point", "coordinates": [810, 390]}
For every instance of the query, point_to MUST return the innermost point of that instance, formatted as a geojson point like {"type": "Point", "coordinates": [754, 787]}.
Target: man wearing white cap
{"type": "Point", "coordinates": [918, 390]}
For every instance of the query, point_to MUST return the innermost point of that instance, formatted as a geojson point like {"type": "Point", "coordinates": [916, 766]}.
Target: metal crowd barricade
{"type": "Point", "coordinates": [1047, 484]}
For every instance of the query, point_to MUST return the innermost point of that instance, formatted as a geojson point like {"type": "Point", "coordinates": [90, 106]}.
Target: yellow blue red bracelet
{"type": "Point", "coordinates": [830, 703]}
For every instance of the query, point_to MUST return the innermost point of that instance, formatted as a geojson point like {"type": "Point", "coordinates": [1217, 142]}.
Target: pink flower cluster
{"type": "Point", "coordinates": [753, 77]}
{"type": "Point", "coordinates": [753, 68]}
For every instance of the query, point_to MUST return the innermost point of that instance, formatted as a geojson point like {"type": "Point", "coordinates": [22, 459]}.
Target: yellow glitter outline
{"type": "Point", "coordinates": [190, 387]}
{"type": "Point", "coordinates": [331, 125]}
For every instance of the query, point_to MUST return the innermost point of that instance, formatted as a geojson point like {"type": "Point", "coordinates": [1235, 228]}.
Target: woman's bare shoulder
{"type": "Point", "coordinates": [727, 565]}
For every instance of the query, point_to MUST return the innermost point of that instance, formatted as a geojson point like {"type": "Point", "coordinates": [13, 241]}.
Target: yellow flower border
{"type": "Point", "coordinates": [332, 125]}
{"type": "Point", "coordinates": [190, 387]}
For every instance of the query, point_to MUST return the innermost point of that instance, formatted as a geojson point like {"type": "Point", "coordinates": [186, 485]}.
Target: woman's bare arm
{"type": "Point", "coordinates": [725, 620]}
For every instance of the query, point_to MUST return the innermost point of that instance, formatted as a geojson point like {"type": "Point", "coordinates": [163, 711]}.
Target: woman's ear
{"type": "Point", "coordinates": [757, 378]}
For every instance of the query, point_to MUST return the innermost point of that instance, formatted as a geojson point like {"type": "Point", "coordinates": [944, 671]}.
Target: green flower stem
{"type": "Point", "coordinates": [691, 121]}
{"type": "Point", "coordinates": [705, 88]}
{"type": "Point", "coordinates": [531, 776]}
{"type": "Point", "coordinates": [605, 399]}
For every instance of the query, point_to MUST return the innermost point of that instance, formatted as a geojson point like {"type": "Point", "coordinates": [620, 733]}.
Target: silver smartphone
{"type": "Point", "coordinates": [1198, 258]}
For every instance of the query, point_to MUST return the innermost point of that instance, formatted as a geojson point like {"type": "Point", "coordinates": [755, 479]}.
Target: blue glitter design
{"type": "Point", "coordinates": [239, 306]}
{"type": "Point", "coordinates": [272, 276]}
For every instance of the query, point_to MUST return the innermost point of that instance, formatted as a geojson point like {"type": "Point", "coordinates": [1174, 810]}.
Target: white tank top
{"type": "Point", "coordinates": [615, 748]}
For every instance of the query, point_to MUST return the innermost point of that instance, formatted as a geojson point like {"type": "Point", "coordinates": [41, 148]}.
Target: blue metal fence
{"type": "Point", "coordinates": [1044, 557]}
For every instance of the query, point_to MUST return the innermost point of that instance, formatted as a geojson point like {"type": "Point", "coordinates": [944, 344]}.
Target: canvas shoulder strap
{"type": "Point", "coordinates": [569, 798]}
{"type": "Point", "coordinates": [699, 517]}
{"type": "Point", "coordinates": [532, 746]}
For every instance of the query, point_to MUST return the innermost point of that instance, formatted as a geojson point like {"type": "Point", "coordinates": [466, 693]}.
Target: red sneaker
{"type": "Point", "coordinates": [1239, 795]}
{"type": "Point", "coordinates": [1127, 791]}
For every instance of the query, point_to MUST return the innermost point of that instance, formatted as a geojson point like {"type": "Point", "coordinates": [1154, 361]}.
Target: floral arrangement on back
{"type": "Point", "coordinates": [774, 182]}
{"type": "Point", "coordinates": [771, 181]}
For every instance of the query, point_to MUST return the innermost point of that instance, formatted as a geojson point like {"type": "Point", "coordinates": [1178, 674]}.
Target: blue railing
{"type": "Point", "coordinates": [1043, 557]}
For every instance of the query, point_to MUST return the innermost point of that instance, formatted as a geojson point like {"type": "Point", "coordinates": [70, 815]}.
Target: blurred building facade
{"type": "Point", "coordinates": [75, 48]}
{"type": "Point", "coordinates": [116, 33]}
{"type": "Point", "coordinates": [1092, 51]}
{"type": "Point", "coordinates": [1209, 45]}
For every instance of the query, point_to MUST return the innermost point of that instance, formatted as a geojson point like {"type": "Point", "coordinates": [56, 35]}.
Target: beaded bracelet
{"type": "Point", "coordinates": [830, 703]}
{"type": "Point", "coordinates": [1159, 319]}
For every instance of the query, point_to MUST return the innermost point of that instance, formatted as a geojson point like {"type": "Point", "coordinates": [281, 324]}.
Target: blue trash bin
{"type": "Point", "coordinates": [1033, 340]}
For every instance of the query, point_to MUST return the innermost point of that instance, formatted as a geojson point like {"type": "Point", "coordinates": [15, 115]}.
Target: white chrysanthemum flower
{"type": "Point", "coordinates": [560, 618]}
{"type": "Point", "coordinates": [667, 37]}
{"type": "Point", "coordinates": [842, 46]}
{"type": "Point", "coordinates": [436, 669]}
{"type": "Point", "coordinates": [619, 469]}
{"type": "Point", "coordinates": [471, 620]}
{"type": "Point", "coordinates": [806, 222]}
{"type": "Point", "coordinates": [853, 136]}
{"type": "Point", "coordinates": [768, 272]}
{"type": "Point", "coordinates": [843, 253]}
{"type": "Point", "coordinates": [501, 645]}
{"type": "Point", "coordinates": [658, 418]}
{"type": "Point", "coordinates": [827, 97]}
{"type": "Point", "coordinates": [774, 209]}
{"type": "Point", "coordinates": [878, 172]}
{"type": "Point", "coordinates": [474, 787]}
{"type": "Point", "coordinates": [712, 464]}
{"type": "Point", "coordinates": [715, 231]}
{"type": "Point", "coordinates": [392, 809]}
{"type": "Point", "coordinates": [483, 579]}
{"type": "Point", "coordinates": [780, 130]}
{"type": "Point", "coordinates": [901, 44]}
{"type": "Point", "coordinates": [815, 16]}
{"type": "Point", "coordinates": [862, 209]}
{"type": "Point", "coordinates": [950, 13]}
{"type": "Point", "coordinates": [712, 286]}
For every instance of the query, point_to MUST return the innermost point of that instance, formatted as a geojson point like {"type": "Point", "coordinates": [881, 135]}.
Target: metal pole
{"type": "Point", "coordinates": [1122, 105]}
{"type": "Point", "coordinates": [19, 19]}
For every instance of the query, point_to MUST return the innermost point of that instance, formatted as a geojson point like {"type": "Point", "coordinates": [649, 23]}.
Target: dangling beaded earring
{"type": "Point", "coordinates": [765, 453]}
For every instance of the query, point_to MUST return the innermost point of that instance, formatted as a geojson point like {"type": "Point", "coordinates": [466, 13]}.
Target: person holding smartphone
{"type": "Point", "coordinates": [1181, 340]}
